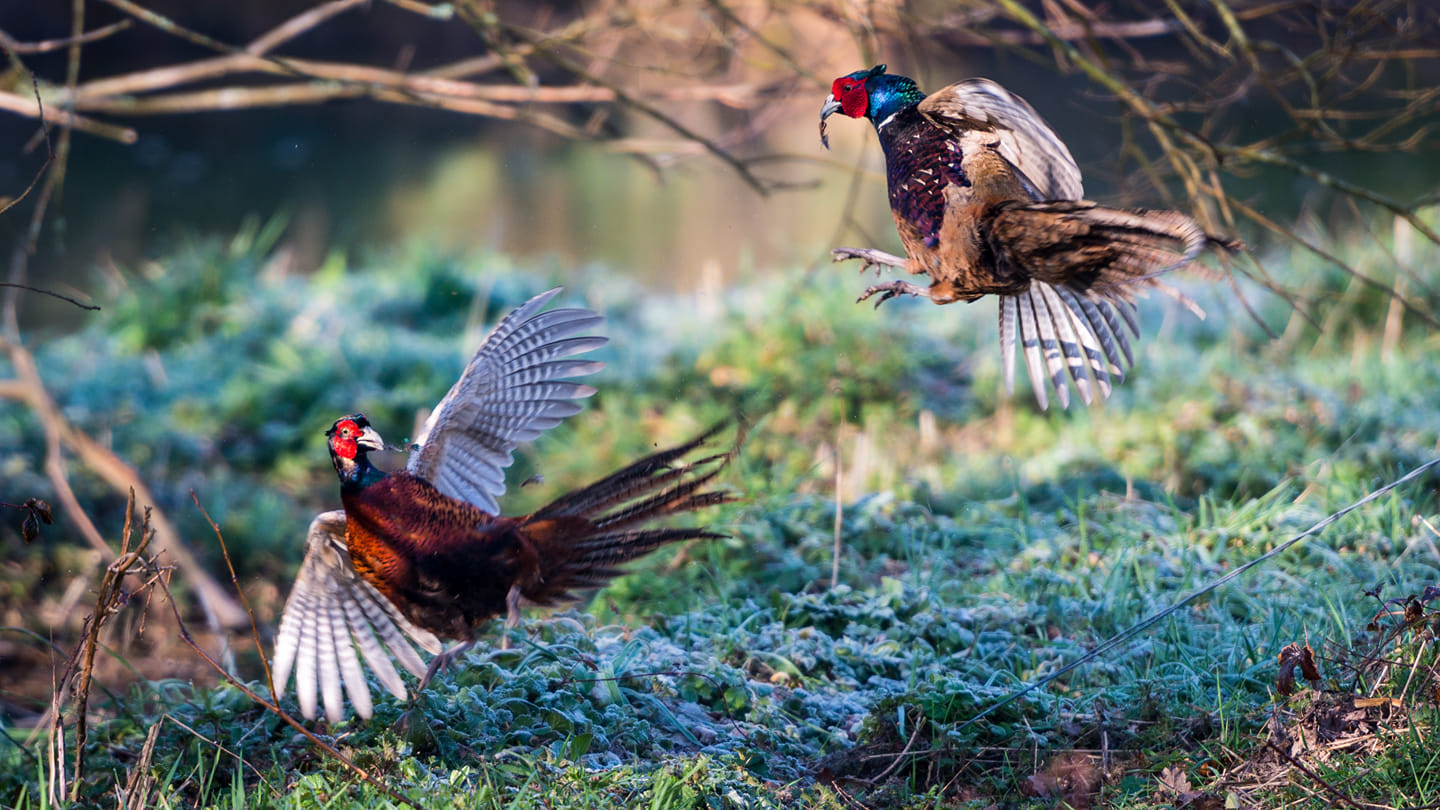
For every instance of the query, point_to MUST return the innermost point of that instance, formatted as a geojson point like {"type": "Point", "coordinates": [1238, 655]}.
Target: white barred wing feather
{"type": "Point", "coordinates": [514, 388]}
{"type": "Point", "coordinates": [331, 612]}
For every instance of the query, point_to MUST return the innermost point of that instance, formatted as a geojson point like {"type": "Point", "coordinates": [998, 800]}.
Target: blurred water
{"type": "Point", "coordinates": [360, 176]}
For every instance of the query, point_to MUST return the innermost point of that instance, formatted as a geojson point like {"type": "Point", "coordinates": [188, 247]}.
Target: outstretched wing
{"type": "Point", "coordinates": [1021, 136]}
{"type": "Point", "coordinates": [1061, 333]}
{"type": "Point", "coordinates": [330, 613]}
{"type": "Point", "coordinates": [513, 390]}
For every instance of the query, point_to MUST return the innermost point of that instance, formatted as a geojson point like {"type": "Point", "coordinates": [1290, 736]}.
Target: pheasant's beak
{"type": "Point", "coordinates": [370, 439]}
{"type": "Point", "coordinates": [831, 106]}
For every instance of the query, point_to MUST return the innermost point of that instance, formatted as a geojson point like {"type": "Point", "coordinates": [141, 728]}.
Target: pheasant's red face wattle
{"type": "Point", "coordinates": [850, 92]}
{"type": "Point", "coordinates": [344, 438]}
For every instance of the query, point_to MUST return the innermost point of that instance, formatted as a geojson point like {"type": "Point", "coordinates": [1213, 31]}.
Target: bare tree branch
{"type": "Point", "coordinates": [45, 46]}
{"type": "Point", "coordinates": [28, 388]}
{"type": "Point", "coordinates": [65, 298]}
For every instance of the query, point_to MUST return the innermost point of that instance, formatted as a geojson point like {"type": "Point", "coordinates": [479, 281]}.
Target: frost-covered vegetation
{"type": "Point", "coordinates": [982, 544]}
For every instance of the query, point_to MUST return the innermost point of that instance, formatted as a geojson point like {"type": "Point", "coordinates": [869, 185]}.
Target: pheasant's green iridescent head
{"type": "Point", "coordinates": [872, 94]}
{"type": "Point", "coordinates": [351, 438]}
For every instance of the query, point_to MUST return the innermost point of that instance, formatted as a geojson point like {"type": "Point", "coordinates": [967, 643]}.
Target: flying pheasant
{"type": "Point", "coordinates": [421, 555]}
{"type": "Point", "coordinates": [987, 201]}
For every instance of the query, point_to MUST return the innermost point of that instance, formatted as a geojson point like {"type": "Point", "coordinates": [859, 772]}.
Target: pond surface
{"type": "Point", "coordinates": [361, 177]}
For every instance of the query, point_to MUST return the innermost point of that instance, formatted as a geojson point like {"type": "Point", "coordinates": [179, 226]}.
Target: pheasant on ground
{"type": "Point", "coordinates": [421, 555]}
{"type": "Point", "coordinates": [987, 201]}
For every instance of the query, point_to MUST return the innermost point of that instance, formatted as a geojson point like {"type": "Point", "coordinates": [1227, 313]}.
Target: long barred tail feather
{"type": "Point", "coordinates": [1066, 336]}
{"type": "Point", "coordinates": [1087, 264]}
{"type": "Point", "coordinates": [584, 536]}
{"type": "Point", "coordinates": [588, 500]}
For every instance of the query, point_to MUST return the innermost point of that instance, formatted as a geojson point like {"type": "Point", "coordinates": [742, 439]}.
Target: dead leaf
{"type": "Point", "coordinates": [1173, 780]}
{"type": "Point", "coordinates": [36, 512]}
{"type": "Point", "coordinates": [1291, 656]}
{"type": "Point", "coordinates": [1071, 776]}
{"type": "Point", "coordinates": [41, 509]}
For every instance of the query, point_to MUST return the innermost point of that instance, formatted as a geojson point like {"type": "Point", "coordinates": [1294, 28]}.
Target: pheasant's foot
{"type": "Point", "coordinates": [512, 616]}
{"type": "Point", "coordinates": [441, 661]}
{"type": "Point", "coordinates": [890, 289]}
{"type": "Point", "coordinates": [870, 258]}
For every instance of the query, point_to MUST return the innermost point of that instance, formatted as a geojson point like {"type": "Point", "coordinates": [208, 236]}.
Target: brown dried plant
{"type": "Point", "coordinates": [129, 577]}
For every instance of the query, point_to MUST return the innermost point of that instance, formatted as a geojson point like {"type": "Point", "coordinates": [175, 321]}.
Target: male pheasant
{"type": "Point", "coordinates": [422, 554]}
{"type": "Point", "coordinates": [987, 201]}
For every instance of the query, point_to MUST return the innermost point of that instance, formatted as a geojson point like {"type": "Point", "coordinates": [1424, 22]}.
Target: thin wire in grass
{"type": "Point", "coordinates": [673, 672]}
{"type": "Point", "coordinates": [1146, 623]}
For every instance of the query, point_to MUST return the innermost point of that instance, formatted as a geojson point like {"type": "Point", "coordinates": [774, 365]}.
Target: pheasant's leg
{"type": "Point", "coordinates": [512, 615]}
{"type": "Point", "coordinates": [890, 289]}
{"type": "Point", "coordinates": [870, 256]}
{"type": "Point", "coordinates": [444, 659]}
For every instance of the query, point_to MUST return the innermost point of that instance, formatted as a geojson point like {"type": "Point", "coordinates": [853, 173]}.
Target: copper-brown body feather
{"type": "Point", "coordinates": [449, 566]}
{"type": "Point", "coordinates": [994, 237]}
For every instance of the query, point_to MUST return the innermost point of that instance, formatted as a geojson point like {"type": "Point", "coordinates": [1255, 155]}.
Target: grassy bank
{"type": "Point", "coordinates": [982, 545]}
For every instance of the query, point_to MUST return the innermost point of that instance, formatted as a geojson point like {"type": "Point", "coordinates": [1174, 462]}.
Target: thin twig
{"type": "Point", "coordinates": [50, 293]}
{"type": "Point", "coordinates": [274, 708]}
{"type": "Point", "coordinates": [239, 592]}
{"type": "Point", "coordinates": [142, 781]}
{"type": "Point", "coordinates": [63, 117]}
{"type": "Point", "coordinates": [299, 24]}
{"type": "Point", "coordinates": [107, 602]}
{"type": "Point", "coordinates": [9, 43]}
{"type": "Point", "coordinates": [115, 93]}
{"type": "Point", "coordinates": [39, 175]}
{"type": "Point", "coordinates": [169, 26]}
{"type": "Point", "coordinates": [1335, 793]}
{"type": "Point", "coordinates": [904, 752]}
{"type": "Point", "coordinates": [222, 749]}
{"type": "Point", "coordinates": [650, 110]}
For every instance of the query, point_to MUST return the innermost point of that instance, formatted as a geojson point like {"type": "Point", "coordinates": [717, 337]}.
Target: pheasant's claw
{"type": "Point", "coordinates": [846, 254]}
{"type": "Point", "coordinates": [869, 257]}
{"type": "Point", "coordinates": [512, 615]}
{"type": "Point", "coordinates": [891, 289]}
{"type": "Point", "coordinates": [439, 663]}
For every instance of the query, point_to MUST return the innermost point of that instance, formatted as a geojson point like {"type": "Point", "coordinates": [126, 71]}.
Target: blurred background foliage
{"type": "Point", "coordinates": [639, 135]}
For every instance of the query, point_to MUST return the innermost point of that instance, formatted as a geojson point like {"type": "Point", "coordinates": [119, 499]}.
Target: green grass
{"type": "Point", "coordinates": [984, 545]}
